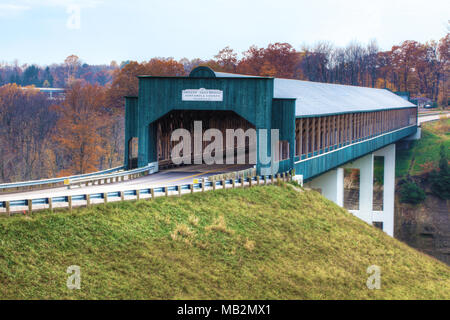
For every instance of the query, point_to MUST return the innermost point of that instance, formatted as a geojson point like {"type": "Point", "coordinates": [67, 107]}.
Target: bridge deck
{"type": "Point", "coordinates": [182, 175]}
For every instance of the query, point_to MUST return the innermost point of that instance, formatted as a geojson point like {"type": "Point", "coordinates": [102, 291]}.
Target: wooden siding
{"type": "Point", "coordinates": [335, 131]}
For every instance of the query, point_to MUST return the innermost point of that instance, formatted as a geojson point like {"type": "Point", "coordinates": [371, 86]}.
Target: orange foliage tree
{"type": "Point", "coordinates": [125, 81]}
{"type": "Point", "coordinates": [77, 130]}
{"type": "Point", "coordinates": [277, 60]}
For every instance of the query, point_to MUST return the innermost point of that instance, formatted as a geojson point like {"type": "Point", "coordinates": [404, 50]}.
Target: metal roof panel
{"type": "Point", "coordinates": [316, 98]}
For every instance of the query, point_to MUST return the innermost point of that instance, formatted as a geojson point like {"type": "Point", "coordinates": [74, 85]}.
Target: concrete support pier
{"type": "Point", "coordinates": [331, 185]}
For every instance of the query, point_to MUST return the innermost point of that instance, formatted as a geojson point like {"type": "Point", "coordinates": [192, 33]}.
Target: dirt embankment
{"type": "Point", "coordinates": [425, 227]}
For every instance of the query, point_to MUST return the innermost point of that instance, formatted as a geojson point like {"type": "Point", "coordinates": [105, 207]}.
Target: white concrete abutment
{"type": "Point", "coordinates": [331, 185]}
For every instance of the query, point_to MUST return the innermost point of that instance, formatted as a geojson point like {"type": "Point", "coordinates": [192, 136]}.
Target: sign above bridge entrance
{"type": "Point", "coordinates": [202, 94]}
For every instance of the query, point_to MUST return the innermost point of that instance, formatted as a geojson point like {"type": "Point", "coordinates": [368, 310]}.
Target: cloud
{"type": "Point", "coordinates": [62, 3]}
{"type": "Point", "coordinates": [11, 9]}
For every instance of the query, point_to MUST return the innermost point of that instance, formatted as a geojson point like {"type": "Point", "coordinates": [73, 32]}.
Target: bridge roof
{"type": "Point", "coordinates": [316, 98]}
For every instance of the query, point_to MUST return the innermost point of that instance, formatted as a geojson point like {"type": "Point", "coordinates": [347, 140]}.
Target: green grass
{"type": "Point", "coordinates": [425, 150]}
{"type": "Point", "coordinates": [258, 243]}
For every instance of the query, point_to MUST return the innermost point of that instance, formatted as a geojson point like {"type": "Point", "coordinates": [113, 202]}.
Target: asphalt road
{"type": "Point", "coordinates": [423, 119]}
{"type": "Point", "coordinates": [178, 176]}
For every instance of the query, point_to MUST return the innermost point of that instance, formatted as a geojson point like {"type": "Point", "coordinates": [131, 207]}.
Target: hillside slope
{"type": "Point", "coordinates": [259, 243]}
{"type": "Point", "coordinates": [425, 226]}
{"type": "Point", "coordinates": [423, 155]}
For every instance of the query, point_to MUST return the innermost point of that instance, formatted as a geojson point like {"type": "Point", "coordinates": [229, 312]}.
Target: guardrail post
{"type": "Point", "coordinates": [166, 190]}
{"type": "Point", "coordinates": [50, 204]}
{"type": "Point", "coordinates": [203, 185]}
{"type": "Point", "coordinates": [69, 200]}
{"type": "Point", "coordinates": [214, 185]}
{"type": "Point", "coordinates": [271, 178]}
{"type": "Point", "coordinates": [122, 178]}
{"type": "Point", "coordinates": [257, 180]}
{"type": "Point", "coordinates": [30, 205]}
{"type": "Point", "coordinates": [278, 178]}
{"type": "Point", "coordinates": [191, 186]}
{"type": "Point", "coordinates": [152, 191]}
{"type": "Point", "coordinates": [122, 196]}
{"type": "Point", "coordinates": [233, 183]}
{"type": "Point", "coordinates": [138, 194]}
{"type": "Point", "coordinates": [250, 182]}
{"type": "Point", "coordinates": [8, 208]}
{"type": "Point", "coordinates": [88, 200]}
{"type": "Point", "coordinates": [179, 190]}
{"type": "Point", "coordinates": [223, 184]}
{"type": "Point", "coordinates": [265, 179]}
{"type": "Point", "coordinates": [105, 197]}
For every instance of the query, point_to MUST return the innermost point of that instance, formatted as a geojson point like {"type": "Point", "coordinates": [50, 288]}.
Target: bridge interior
{"type": "Point", "coordinates": [185, 119]}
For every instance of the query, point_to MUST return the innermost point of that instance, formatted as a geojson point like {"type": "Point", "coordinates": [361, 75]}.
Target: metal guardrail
{"type": "Point", "coordinates": [150, 193]}
{"type": "Point", "coordinates": [52, 181]}
{"type": "Point", "coordinates": [114, 177]}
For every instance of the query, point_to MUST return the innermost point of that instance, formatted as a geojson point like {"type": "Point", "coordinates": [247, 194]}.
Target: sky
{"type": "Point", "coordinates": [100, 31]}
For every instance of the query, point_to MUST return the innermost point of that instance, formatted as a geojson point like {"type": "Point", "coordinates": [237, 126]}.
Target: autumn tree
{"type": "Point", "coordinates": [125, 82]}
{"type": "Point", "coordinates": [25, 128]}
{"type": "Point", "coordinates": [404, 58]}
{"type": "Point", "coordinates": [226, 60]}
{"type": "Point", "coordinates": [277, 60]}
{"type": "Point", "coordinates": [72, 63]}
{"type": "Point", "coordinates": [77, 131]}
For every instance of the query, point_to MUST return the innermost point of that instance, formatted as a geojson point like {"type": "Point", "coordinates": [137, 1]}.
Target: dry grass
{"type": "Point", "coordinates": [193, 220]}
{"type": "Point", "coordinates": [249, 245]}
{"type": "Point", "coordinates": [182, 233]}
{"type": "Point", "coordinates": [220, 225]}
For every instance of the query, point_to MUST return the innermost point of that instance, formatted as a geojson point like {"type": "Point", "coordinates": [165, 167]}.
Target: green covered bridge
{"type": "Point", "coordinates": [321, 126]}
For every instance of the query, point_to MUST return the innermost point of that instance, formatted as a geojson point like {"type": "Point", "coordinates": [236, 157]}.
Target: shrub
{"type": "Point", "coordinates": [440, 180]}
{"type": "Point", "coordinates": [411, 193]}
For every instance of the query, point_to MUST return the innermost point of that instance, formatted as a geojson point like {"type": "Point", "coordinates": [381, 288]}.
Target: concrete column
{"type": "Point", "coordinates": [365, 166]}
{"type": "Point", "coordinates": [387, 215]}
{"type": "Point", "coordinates": [331, 185]}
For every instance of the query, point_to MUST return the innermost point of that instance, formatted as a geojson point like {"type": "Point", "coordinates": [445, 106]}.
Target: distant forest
{"type": "Point", "coordinates": [419, 68]}
{"type": "Point", "coordinates": [83, 132]}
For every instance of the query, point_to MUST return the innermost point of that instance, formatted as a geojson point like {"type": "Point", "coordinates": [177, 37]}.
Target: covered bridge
{"type": "Point", "coordinates": [321, 126]}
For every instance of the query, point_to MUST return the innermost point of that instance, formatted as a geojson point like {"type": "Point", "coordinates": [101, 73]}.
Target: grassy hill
{"type": "Point", "coordinates": [259, 243]}
{"type": "Point", "coordinates": [423, 154]}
